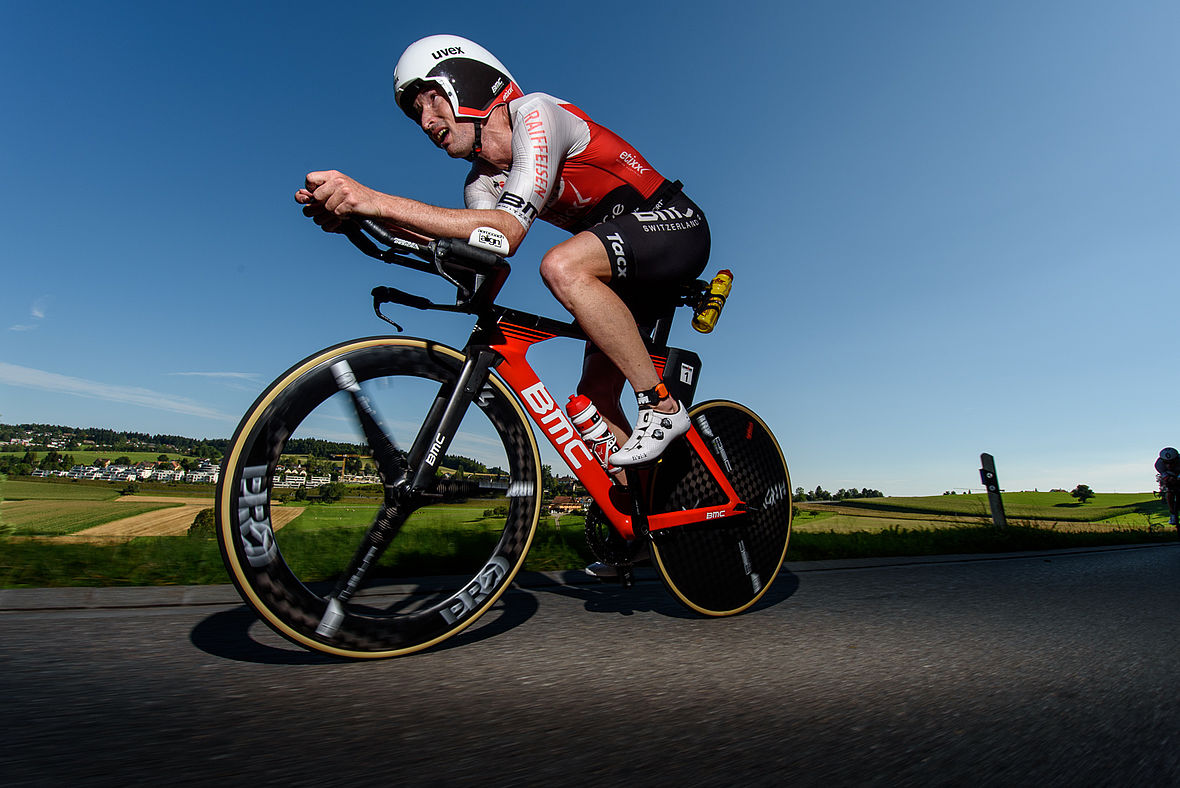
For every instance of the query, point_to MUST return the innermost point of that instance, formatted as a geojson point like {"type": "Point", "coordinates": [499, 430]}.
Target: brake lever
{"type": "Point", "coordinates": [391, 295]}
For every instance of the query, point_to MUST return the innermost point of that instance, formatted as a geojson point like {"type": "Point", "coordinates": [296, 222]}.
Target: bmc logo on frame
{"type": "Point", "coordinates": [556, 424]}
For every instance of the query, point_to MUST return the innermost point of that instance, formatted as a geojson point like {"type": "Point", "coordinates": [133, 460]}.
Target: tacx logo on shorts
{"type": "Point", "coordinates": [618, 253]}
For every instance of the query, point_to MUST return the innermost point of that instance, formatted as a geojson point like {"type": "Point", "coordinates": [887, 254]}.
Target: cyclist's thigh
{"type": "Point", "coordinates": [582, 253]}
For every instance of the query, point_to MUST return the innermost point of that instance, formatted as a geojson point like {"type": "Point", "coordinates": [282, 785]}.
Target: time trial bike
{"type": "Point", "coordinates": [714, 512]}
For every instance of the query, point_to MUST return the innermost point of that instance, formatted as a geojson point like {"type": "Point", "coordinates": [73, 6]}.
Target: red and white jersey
{"type": "Point", "coordinates": [566, 169]}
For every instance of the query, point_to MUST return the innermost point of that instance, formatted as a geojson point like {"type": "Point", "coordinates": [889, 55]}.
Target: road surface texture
{"type": "Point", "coordinates": [1045, 669]}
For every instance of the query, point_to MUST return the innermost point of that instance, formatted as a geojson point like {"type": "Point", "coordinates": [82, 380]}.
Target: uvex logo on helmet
{"type": "Point", "coordinates": [472, 79]}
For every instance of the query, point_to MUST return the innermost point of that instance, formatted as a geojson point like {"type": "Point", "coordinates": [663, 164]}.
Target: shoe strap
{"type": "Point", "coordinates": [652, 397]}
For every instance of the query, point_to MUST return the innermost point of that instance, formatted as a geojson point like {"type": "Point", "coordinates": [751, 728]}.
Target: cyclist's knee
{"type": "Point", "coordinates": [572, 262]}
{"type": "Point", "coordinates": [559, 269]}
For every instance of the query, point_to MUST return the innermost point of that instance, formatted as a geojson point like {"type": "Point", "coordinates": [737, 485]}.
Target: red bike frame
{"type": "Point", "coordinates": [557, 428]}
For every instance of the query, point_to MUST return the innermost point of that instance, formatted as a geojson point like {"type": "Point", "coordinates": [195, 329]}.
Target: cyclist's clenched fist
{"type": "Point", "coordinates": [329, 197]}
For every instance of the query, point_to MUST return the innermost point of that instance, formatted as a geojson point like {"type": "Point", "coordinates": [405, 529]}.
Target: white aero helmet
{"type": "Point", "coordinates": [472, 78]}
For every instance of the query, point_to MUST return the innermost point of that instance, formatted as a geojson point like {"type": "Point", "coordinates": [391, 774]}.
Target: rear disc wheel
{"type": "Point", "coordinates": [722, 567]}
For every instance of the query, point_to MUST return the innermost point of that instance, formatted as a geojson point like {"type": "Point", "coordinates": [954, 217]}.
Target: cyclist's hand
{"type": "Point", "coordinates": [330, 197]}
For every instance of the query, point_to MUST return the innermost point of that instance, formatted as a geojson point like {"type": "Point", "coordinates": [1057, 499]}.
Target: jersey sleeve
{"type": "Point", "coordinates": [543, 136]}
{"type": "Point", "coordinates": [481, 191]}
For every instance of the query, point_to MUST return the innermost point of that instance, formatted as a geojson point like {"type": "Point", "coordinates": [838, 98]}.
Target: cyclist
{"type": "Point", "coordinates": [636, 236]}
{"type": "Point", "coordinates": [1167, 468]}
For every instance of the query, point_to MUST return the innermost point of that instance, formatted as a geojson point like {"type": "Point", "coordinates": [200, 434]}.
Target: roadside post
{"type": "Point", "coordinates": [987, 475]}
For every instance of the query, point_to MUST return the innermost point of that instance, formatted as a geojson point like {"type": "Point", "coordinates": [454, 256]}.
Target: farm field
{"type": "Point", "coordinates": [40, 517]}
{"type": "Point", "coordinates": [58, 533]}
{"type": "Point", "coordinates": [43, 506]}
{"type": "Point", "coordinates": [40, 490]}
{"type": "Point", "coordinates": [89, 490]}
{"type": "Point", "coordinates": [1041, 507]}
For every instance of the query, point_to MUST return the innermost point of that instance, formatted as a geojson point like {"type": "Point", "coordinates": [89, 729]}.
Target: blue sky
{"type": "Point", "coordinates": [953, 225]}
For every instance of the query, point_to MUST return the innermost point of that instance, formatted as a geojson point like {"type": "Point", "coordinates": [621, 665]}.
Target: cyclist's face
{"type": "Point", "coordinates": [438, 122]}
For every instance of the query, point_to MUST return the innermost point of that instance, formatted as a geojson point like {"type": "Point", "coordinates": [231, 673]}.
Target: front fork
{"type": "Point", "coordinates": [406, 480]}
{"type": "Point", "coordinates": [444, 418]}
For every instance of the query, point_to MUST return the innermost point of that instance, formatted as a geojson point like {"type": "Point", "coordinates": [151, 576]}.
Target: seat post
{"type": "Point", "coordinates": [663, 327]}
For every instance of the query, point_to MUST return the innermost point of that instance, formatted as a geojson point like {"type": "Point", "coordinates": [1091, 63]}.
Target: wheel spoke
{"type": "Point", "coordinates": [385, 526]}
{"type": "Point", "coordinates": [390, 461]}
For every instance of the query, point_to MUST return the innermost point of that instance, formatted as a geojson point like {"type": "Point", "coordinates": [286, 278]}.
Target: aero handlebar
{"type": "Point", "coordinates": [443, 251]}
{"type": "Point", "coordinates": [477, 274]}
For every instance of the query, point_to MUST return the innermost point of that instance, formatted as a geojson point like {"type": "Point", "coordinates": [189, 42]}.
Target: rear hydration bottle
{"type": "Point", "coordinates": [705, 316]}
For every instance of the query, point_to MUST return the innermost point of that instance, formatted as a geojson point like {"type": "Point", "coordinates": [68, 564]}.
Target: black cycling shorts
{"type": "Point", "coordinates": [654, 251]}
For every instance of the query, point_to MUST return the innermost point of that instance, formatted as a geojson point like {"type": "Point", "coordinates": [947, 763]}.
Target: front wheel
{"type": "Point", "coordinates": [722, 567]}
{"type": "Point", "coordinates": [287, 532]}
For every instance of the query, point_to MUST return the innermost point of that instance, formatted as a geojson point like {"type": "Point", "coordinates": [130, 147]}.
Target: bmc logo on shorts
{"type": "Point", "coordinates": [665, 215]}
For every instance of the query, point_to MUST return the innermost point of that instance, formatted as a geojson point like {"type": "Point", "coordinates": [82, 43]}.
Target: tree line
{"type": "Point", "coordinates": [115, 440]}
{"type": "Point", "coordinates": [820, 494]}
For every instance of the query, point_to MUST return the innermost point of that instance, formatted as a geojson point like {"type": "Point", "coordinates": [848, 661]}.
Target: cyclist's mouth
{"type": "Point", "coordinates": [441, 136]}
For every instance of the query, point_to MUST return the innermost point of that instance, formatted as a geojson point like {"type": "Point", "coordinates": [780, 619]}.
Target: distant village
{"type": "Point", "coordinates": [206, 472]}
{"type": "Point", "coordinates": [563, 494]}
{"type": "Point", "coordinates": [191, 471]}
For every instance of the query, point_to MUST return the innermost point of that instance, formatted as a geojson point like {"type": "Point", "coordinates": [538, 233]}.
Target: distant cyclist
{"type": "Point", "coordinates": [636, 236]}
{"type": "Point", "coordinates": [1167, 468]}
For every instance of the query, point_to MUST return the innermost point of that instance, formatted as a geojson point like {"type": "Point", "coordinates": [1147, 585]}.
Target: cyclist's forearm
{"type": "Point", "coordinates": [402, 232]}
{"type": "Point", "coordinates": [433, 221]}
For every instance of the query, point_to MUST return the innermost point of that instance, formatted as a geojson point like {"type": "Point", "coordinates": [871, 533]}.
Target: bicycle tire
{"type": "Point", "coordinates": [722, 567]}
{"type": "Point", "coordinates": [275, 569]}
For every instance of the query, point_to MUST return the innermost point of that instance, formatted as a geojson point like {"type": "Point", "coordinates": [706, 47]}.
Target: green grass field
{"type": "Point", "coordinates": [44, 490]}
{"type": "Point", "coordinates": [440, 539]}
{"type": "Point", "coordinates": [1033, 506]}
{"type": "Point", "coordinates": [56, 518]}
{"type": "Point", "coordinates": [87, 490]}
{"type": "Point", "coordinates": [325, 535]}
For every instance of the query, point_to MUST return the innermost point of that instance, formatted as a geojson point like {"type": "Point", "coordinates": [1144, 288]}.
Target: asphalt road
{"type": "Point", "coordinates": [1048, 669]}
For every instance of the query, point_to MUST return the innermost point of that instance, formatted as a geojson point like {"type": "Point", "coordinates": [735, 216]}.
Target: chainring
{"type": "Point", "coordinates": [604, 542]}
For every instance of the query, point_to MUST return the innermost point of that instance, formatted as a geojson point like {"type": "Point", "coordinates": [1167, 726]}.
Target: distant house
{"type": "Point", "coordinates": [564, 503]}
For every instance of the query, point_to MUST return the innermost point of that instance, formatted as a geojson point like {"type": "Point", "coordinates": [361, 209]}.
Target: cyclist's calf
{"type": "Point", "coordinates": [603, 383]}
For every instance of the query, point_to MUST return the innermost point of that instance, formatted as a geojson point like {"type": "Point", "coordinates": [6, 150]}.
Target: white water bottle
{"type": "Point", "coordinates": [593, 428]}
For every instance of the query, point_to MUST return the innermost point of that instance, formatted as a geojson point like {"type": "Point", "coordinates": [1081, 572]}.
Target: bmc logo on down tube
{"type": "Point", "coordinates": [556, 424]}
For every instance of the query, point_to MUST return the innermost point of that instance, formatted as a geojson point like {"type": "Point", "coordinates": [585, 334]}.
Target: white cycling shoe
{"type": "Point", "coordinates": [654, 431]}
